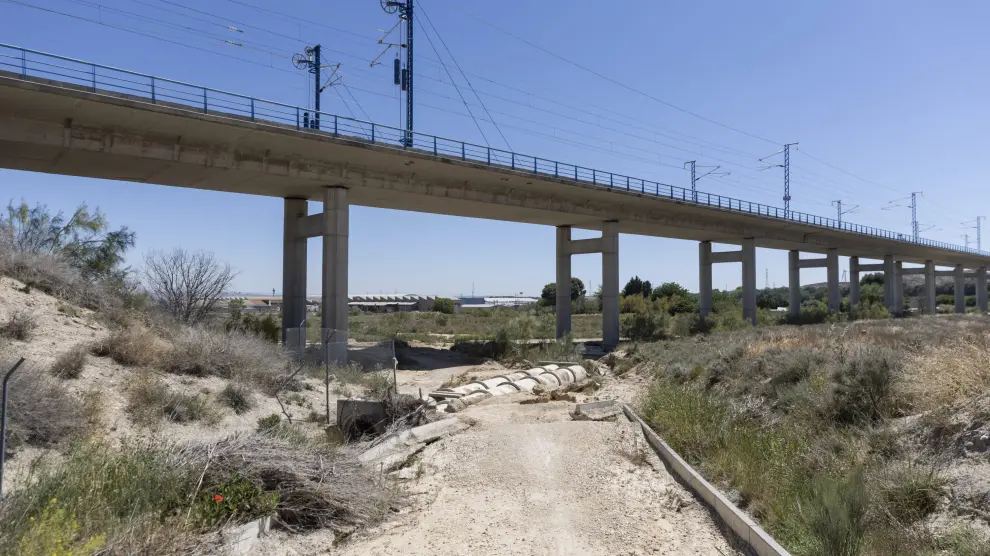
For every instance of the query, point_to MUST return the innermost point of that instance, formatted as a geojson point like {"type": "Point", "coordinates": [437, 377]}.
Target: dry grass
{"type": "Point", "coordinates": [132, 346]}
{"type": "Point", "coordinates": [201, 351]}
{"type": "Point", "coordinates": [460, 379]}
{"type": "Point", "coordinates": [71, 362]}
{"type": "Point", "coordinates": [317, 486]}
{"type": "Point", "coordinates": [941, 375]}
{"type": "Point", "coordinates": [42, 411]}
{"type": "Point", "coordinates": [19, 326]}
{"type": "Point", "coordinates": [150, 399]}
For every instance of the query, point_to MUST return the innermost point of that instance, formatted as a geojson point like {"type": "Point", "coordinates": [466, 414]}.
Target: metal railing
{"type": "Point", "coordinates": [98, 78]}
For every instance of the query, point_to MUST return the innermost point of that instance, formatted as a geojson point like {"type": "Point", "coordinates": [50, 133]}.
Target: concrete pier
{"type": "Point", "coordinates": [888, 283]}
{"type": "Point", "coordinates": [335, 239]}
{"type": "Point", "coordinates": [293, 270]}
{"type": "Point", "coordinates": [898, 287]}
{"type": "Point", "coordinates": [563, 298]}
{"type": "Point", "coordinates": [930, 304]}
{"type": "Point", "coordinates": [705, 278]}
{"type": "Point", "coordinates": [610, 285]}
{"type": "Point", "coordinates": [853, 282]}
{"type": "Point", "coordinates": [959, 288]}
{"type": "Point", "coordinates": [981, 288]}
{"type": "Point", "coordinates": [794, 283]}
{"type": "Point", "coordinates": [832, 273]}
{"type": "Point", "coordinates": [749, 279]}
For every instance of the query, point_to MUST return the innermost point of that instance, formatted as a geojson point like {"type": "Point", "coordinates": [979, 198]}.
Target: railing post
{"type": "Point", "coordinates": [24, 66]}
{"type": "Point", "coordinates": [252, 109]}
{"type": "Point", "coordinates": [434, 145]}
{"type": "Point", "coordinates": [555, 168]}
{"type": "Point", "coordinates": [463, 153]}
{"type": "Point", "coordinates": [94, 77]}
{"type": "Point", "coordinates": [513, 160]}
{"type": "Point", "coordinates": [594, 176]}
{"type": "Point", "coordinates": [153, 90]}
{"type": "Point", "coordinates": [489, 149]}
{"type": "Point", "coordinates": [372, 133]}
{"type": "Point", "coordinates": [205, 107]}
{"type": "Point", "coordinates": [627, 183]}
{"type": "Point", "coordinates": [575, 173]}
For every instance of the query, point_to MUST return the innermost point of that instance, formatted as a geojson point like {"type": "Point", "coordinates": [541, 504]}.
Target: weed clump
{"type": "Point", "coordinates": [237, 397]}
{"type": "Point", "coordinates": [70, 363]}
{"type": "Point", "coordinates": [19, 326]}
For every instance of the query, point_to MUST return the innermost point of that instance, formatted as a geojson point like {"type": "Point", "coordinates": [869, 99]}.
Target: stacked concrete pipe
{"type": "Point", "coordinates": [548, 376]}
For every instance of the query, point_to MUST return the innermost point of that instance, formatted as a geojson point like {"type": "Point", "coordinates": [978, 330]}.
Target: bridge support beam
{"type": "Point", "coordinates": [705, 278]}
{"type": "Point", "coordinates": [563, 300]}
{"type": "Point", "coordinates": [959, 288]}
{"type": "Point", "coordinates": [853, 282]}
{"type": "Point", "coordinates": [888, 283]}
{"type": "Point", "coordinates": [981, 288]}
{"type": "Point", "coordinates": [930, 305]}
{"type": "Point", "coordinates": [832, 274]}
{"type": "Point", "coordinates": [794, 283]}
{"type": "Point", "coordinates": [898, 288]}
{"type": "Point", "coordinates": [608, 246]}
{"type": "Point", "coordinates": [335, 238]}
{"type": "Point", "coordinates": [293, 272]}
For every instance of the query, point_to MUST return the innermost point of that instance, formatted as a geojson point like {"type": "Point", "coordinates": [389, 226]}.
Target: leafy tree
{"type": "Point", "coordinates": [548, 296]}
{"type": "Point", "coordinates": [772, 298]}
{"type": "Point", "coordinates": [82, 239]}
{"type": "Point", "coordinates": [872, 278]}
{"type": "Point", "coordinates": [872, 293]}
{"type": "Point", "coordinates": [669, 289]}
{"type": "Point", "coordinates": [444, 305]}
{"type": "Point", "coordinates": [635, 287]}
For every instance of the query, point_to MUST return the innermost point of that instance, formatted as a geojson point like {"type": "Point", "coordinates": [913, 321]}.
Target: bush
{"type": "Point", "coordinates": [645, 327]}
{"type": "Point", "coordinates": [633, 304]}
{"type": "Point", "coordinates": [56, 533]}
{"type": "Point", "coordinates": [70, 363]}
{"type": "Point", "coordinates": [911, 492]}
{"type": "Point", "coordinates": [200, 351]}
{"type": "Point", "coordinates": [132, 346]}
{"type": "Point", "coordinates": [863, 390]}
{"type": "Point", "coordinates": [836, 514]}
{"type": "Point", "coordinates": [237, 397]}
{"type": "Point", "coordinates": [19, 326]}
{"type": "Point", "coordinates": [42, 412]}
{"type": "Point", "coordinates": [149, 399]}
{"type": "Point", "coordinates": [444, 305]}
{"type": "Point", "coordinates": [867, 310]}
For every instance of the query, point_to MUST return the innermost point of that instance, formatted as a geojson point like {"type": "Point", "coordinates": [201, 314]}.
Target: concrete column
{"type": "Point", "coordinates": [610, 285]}
{"type": "Point", "coordinates": [981, 288]}
{"type": "Point", "coordinates": [705, 278]}
{"type": "Point", "coordinates": [888, 283]}
{"type": "Point", "coordinates": [898, 288]}
{"type": "Point", "coordinates": [293, 271]}
{"type": "Point", "coordinates": [794, 283]}
{"type": "Point", "coordinates": [853, 282]}
{"type": "Point", "coordinates": [335, 232]}
{"type": "Point", "coordinates": [749, 279]}
{"type": "Point", "coordinates": [960, 289]}
{"type": "Point", "coordinates": [563, 281]}
{"type": "Point", "coordinates": [930, 306]}
{"type": "Point", "coordinates": [832, 274]}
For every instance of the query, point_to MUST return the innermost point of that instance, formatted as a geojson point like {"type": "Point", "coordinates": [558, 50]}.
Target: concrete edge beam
{"type": "Point", "coordinates": [912, 271]}
{"type": "Point", "coordinates": [310, 226]}
{"type": "Point", "coordinates": [813, 263]}
{"type": "Point", "coordinates": [727, 257]}
{"type": "Point", "coordinates": [741, 524]}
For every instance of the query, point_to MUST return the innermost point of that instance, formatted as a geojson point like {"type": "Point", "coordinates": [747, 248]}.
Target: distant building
{"type": "Point", "coordinates": [494, 301]}
{"type": "Point", "coordinates": [393, 302]}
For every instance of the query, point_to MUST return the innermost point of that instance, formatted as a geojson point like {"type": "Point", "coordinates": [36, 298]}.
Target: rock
{"type": "Point", "coordinates": [542, 398]}
{"type": "Point", "coordinates": [559, 396]}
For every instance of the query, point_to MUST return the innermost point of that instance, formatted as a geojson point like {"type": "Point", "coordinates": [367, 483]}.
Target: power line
{"type": "Point", "coordinates": [606, 78]}
{"type": "Point", "coordinates": [458, 66]}
{"type": "Point", "coordinates": [148, 35]}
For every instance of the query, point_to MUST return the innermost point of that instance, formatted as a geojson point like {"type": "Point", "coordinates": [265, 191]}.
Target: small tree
{"type": "Point", "coordinates": [548, 297]}
{"type": "Point", "coordinates": [444, 305]}
{"type": "Point", "coordinates": [670, 289]}
{"type": "Point", "coordinates": [187, 285]}
{"type": "Point", "coordinates": [872, 278]}
{"type": "Point", "coordinates": [633, 287]}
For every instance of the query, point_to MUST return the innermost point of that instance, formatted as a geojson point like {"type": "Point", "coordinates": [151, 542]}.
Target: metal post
{"type": "Point", "coordinates": [24, 68]}
{"type": "Point", "coordinates": [204, 100]}
{"type": "Point", "coordinates": [297, 117]}
{"type": "Point", "coordinates": [152, 90]}
{"type": "Point", "coordinates": [315, 122]}
{"type": "Point", "coordinates": [252, 109]}
{"type": "Point", "coordinates": [335, 124]}
{"type": "Point", "coordinates": [787, 179]}
{"type": "Point", "coordinates": [409, 70]}
{"type": "Point", "coordinates": [914, 215]}
{"type": "Point", "coordinates": [3, 420]}
{"type": "Point", "coordinates": [372, 132]}
{"type": "Point", "coordinates": [463, 155]}
{"type": "Point", "coordinates": [94, 77]}
{"type": "Point", "coordinates": [435, 145]}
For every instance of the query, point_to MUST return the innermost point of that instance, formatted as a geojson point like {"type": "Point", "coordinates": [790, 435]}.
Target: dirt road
{"type": "Point", "coordinates": [525, 479]}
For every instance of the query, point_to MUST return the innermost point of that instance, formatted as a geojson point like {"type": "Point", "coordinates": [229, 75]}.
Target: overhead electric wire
{"type": "Point", "coordinates": [309, 22]}
{"type": "Point", "coordinates": [607, 78]}
{"type": "Point", "coordinates": [422, 11]}
{"type": "Point", "coordinates": [146, 34]}
{"type": "Point", "coordinates": [429, 40]}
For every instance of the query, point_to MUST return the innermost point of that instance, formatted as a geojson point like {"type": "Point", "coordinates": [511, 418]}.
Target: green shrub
{"type": "Point", "coordinates": [645, 327]}
{"type": "Point", "coordinates": [836, 514]}
{"type": "Point", "coordinates": [633, 304]}
{"type": "Point", "coordinates": [56, 533]}
{"type": "Point", "coordinates": [869, 310]}
{"type": "Point", "coordinates": [269, 423]}
{"type": "Point", "coordinates": [237, 397]}
{"type": "Point", "coordinates": [149, 399]}
{"type": "Point", "coordinates": [444, 305]}
{"type": "Point", "coordinates": [911, 492]}
{"type": "Point", "coordinates": [236, 499]}
{"type": "Point", "coordinates": [863, 390]}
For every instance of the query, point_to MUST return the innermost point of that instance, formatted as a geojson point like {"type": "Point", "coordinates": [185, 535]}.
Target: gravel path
{"type": "Point", "coordinates": [528, 480]}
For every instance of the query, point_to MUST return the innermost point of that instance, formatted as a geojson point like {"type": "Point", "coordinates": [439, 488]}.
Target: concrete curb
{"type": "Point", "coordinates": [741, 524]}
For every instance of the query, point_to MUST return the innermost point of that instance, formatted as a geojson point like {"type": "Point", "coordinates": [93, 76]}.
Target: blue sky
{"type": "Point", "coordinates": [891, 92]}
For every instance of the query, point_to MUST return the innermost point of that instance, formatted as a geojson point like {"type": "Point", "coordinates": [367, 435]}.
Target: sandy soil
{"type": "Point", "coordinates": [525, 479]}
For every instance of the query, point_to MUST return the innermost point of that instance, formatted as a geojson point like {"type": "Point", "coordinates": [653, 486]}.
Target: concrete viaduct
{"type": "Point", "coordinates": [76, 128]}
